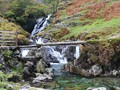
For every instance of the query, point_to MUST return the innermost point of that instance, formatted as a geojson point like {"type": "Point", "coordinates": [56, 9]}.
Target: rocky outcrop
{"type": "Point", "coordinates": [47, 54]}
{"type": "Point", "coordinates": [97, 60]}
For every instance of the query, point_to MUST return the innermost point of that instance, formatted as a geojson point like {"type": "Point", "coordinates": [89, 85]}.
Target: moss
{"type": "Point", "coordinates": [114, 41]}
{"type": "Point", "coordinates": [92, 36]}
{"type": "Point", "coordinates": [93, 41]}
{"type": "Point", "coordinates": [22, 39]}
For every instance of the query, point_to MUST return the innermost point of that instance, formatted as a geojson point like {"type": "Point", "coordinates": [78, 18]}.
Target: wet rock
{"type": "Point", "coordinates": [69, 52]}
{"type": "Point", "coordinates": [32, 52]}
{"type": "Point", "coordinates": [116, 88]}
{"type": "Point", "coordinates": [114, 72]}
{"type": "Point", "coordinates": [50, 71]}
{"type": "Point", "coordinates": [16, 53]}
{"type": "Point", "coordinates": [99, 88]}
{"type": "Point", "coordinates": [98, 60]}
{"type": "Point", "coordinates": [95, 70]}
{"type": "Point", "coordinates": [28, 70]}
{"type": "Point", "coordinates": [40, 67]}
{"type": "Point", "coordinates": [48, 54]}
{"type": "Point", "coordinates": [38, 53]}
{"type": "Point", "coordinates": [41, 78]}
{"type": "Point", "coordinates": [75, 69]}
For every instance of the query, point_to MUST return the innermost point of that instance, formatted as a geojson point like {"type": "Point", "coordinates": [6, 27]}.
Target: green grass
{"type": "Point", "coordinates": [98, 25]}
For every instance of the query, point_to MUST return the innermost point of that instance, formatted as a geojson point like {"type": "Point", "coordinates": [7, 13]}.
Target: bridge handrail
{"type": "Point", "coordinates": [6, 39]}
{"type": "Point", "coordinates": [54, 43]}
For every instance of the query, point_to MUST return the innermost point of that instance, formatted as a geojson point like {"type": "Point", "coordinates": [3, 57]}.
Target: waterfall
{"type": "Point", "coordinates": [57, 55]}
{"type": "Point", "coordinates": [77, 53]}
{"type": "Point", "coordinates": [24, 52]}
{"type": "Point", "coordinates": [41, 25]}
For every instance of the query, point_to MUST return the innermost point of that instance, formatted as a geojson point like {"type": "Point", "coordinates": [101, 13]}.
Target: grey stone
{"type": "Point", "coordinates": [95, 70]}
{"type": "Point", "coordinates": [99, 88]}
{"type": "Point", "coordinates": [41, 77]}
{"type": "Point", "coordinates": [40, 67]}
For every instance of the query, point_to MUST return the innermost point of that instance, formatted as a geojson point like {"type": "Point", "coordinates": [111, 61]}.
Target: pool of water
{"type": "Point", "coordinates": [76, 82]}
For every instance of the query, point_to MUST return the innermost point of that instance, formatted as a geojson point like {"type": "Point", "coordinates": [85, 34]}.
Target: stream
{"type": "Point", "coordinates": [76, 82]}
{"type": "Point", "coordinates": [66, 81]}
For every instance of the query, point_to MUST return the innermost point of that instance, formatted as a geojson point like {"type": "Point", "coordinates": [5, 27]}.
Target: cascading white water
{"type": "Point", "coordinates": [60, 57]}
{"type": "Point", "coordinates": [41, 25]}
{"type": "Point", "coordinates": [77, 52]}
{"type": "Point", "coordinates": [24, 52]}
{"type": "Point", "coordinates": [51, 50]}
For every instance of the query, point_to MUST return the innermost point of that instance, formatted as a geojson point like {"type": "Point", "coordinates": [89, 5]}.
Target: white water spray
{"type": "Point", "coordinates": [42, 23]}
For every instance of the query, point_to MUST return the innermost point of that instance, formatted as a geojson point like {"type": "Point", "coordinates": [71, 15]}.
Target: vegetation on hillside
{"type": "Point", "coordinates": [87, 20]}
{"type": "Point", "coordinates": [9, 71]}
{"type": "Point", "coordinates": [22, 34]}
{"type": "Point", "coordinates": [23, 12]}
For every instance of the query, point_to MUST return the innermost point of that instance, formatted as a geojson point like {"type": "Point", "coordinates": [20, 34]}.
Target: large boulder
{"type": "Point", "coordinates": [40, 67]}
{"type": "Point", "coordinates": [28, 70]}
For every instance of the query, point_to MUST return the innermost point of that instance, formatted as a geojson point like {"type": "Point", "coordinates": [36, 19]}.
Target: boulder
{"type": "Point", "coordinates": [95, 70]}
{"type": "Point", "coordinates": [42, 77]}
{"type": "Point", "coordinates": [48, 54]}
{"type": "Point", "coordinates": [50, 71]}
{"type": "Point", "coordinates": [40, 67]}
{"type": "Point", "coordinates": [69, 52]}
{"type": "Point", "coordinates": [38, 53]}
{"type": "Point", "coordinates": [28, 70]}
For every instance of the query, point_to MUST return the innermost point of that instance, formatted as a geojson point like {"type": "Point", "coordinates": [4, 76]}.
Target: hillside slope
{"type": "Point", "coordinates": [86, 20]}
{"type": "Point", "coordinates": [98, 23]}
{"type": "Point", "coordinates": [22, 34]}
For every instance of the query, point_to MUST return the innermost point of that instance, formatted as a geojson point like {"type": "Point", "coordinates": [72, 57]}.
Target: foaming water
{"type": "Point", "coordinates": [24, 52]}
{"type": "Point", "coordinates": [54, 53]}
{"type": "Point", "coordinates": [77, 52]}
{"type": "Point", "coordinates": [42, 23]}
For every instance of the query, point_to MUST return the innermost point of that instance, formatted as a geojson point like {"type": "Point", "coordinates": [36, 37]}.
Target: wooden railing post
{"type": "Point", "coordinates": [16, 38]}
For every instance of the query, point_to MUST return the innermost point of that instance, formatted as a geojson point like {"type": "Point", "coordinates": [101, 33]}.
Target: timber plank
{"type": "Point", "coordinates": [55, 43]}
{"type": "Point", "coordinates": [7, 31]}
{"type": "Point", "coordinates": [7, 41]}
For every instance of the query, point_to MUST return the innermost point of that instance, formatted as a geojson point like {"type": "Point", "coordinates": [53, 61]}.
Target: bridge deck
{"type": "Point", "coordinates": [47, 44]}
{"type": "Point", "coordinates": [54, 44]}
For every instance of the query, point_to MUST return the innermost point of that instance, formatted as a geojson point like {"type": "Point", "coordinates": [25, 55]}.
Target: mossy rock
{"type": "Point", "coordinates": [40, 66]}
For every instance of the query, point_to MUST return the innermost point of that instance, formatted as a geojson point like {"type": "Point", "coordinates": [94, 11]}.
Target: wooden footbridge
{"type": "Point", "coordinates": [9, 40]}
